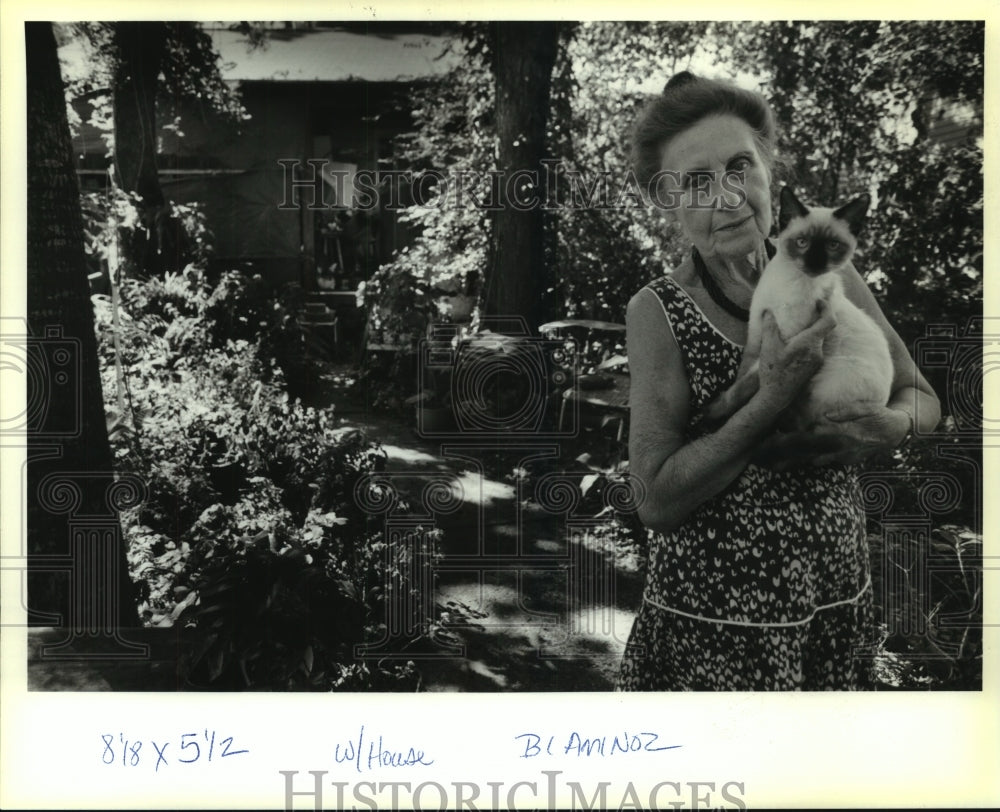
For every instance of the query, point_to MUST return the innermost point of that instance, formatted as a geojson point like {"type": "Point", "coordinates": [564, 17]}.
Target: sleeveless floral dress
{"type": "Point", "coordinates": [766, 586]}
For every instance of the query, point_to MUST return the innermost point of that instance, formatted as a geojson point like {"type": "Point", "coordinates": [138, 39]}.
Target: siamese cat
{"type": "Point", "coordinates": [813, 245]}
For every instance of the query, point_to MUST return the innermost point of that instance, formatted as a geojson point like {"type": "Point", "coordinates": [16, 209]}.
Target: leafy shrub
{"type": "Point", "coordinates": [251, 535]}
{"type": "Point", "coordinates": [929, 601]}
{"type": "Point", "coordinates": [422, 283]}
{"type": "Point", "coordinates": [400, 309]}
{"type": "Point", "coordinates": [248, 308]}
{"type": "Point", "coordinates": [286, 609]}
{"type": "Point", "coordinates": [926, 551]}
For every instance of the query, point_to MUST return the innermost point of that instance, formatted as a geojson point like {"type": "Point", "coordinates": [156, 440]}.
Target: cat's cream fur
{"type": "Point", "coordinates": [813, 245]}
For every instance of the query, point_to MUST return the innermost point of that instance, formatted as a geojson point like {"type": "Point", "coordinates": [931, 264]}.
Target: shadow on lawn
{"type": "Point", "coordinates": [526, 657]}
{"type": "Point", "coordinates": [525, 601]}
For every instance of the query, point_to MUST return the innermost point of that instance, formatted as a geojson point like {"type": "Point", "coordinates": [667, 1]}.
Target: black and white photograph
{"type": "Point", "coordinates": [382, 357]}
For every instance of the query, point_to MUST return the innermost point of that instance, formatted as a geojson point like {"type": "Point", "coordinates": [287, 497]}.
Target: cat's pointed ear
{"type": "Point", "coordinates": [790, 208]}
{"type": "Point", "coordinates": [854, 213]}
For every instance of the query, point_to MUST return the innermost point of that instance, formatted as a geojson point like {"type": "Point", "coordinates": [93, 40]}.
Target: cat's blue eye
{"type": "Point", "coordinates": [833, 245]}
{"type": "Point", "coordinates": [802, 242]}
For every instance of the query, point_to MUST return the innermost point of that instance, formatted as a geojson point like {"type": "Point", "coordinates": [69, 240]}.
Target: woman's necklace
{"type": "Point", "coordinates": [708, 282]}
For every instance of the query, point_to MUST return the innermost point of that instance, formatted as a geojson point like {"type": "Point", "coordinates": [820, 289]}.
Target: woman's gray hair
{"type": "Point", "coordinates": [685, 101]}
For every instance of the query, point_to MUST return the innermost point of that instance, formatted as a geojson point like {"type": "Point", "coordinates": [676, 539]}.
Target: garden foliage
{"type": "Point", "coordinates": [451, 137]}
{"type": "Point", "coordinates": [251, 535]}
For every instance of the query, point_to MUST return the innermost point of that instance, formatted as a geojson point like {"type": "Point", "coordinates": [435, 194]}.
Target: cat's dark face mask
{"type": "Point", "coordinates": [820, 240]}
{"type": "Point", "coordinates": [818, 250]}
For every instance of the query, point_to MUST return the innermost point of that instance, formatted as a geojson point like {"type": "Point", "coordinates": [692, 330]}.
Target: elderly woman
{"type": "Point", "coordinates": [758, 577]}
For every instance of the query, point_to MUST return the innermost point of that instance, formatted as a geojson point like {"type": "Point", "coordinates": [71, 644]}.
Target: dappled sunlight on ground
{"type": "Point", "coordinates": [482, 490]}
{"type": "Point", "coordinates": [522, 632]}
{"type": "Point", "coordinates": [413, 456]}
{"type": "Point", "coordinates": [480, 669]}
{"type": "Point", "coordinates": [539, 611]}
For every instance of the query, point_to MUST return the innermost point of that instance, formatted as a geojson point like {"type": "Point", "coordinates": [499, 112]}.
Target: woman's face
{"type": "Point", "coordinates": [718, 187]}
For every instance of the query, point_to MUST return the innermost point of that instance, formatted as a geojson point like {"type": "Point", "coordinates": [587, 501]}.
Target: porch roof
{"type": "Point", "coordinates": [332, 55]}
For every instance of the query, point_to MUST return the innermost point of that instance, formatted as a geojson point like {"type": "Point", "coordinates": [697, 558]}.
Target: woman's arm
{"type": "Point", "coordinates": [913, 405]}
{"type": "Point", "coordinates": [912, 395]}
{"type": "Point", "coordinates": [678, 476]}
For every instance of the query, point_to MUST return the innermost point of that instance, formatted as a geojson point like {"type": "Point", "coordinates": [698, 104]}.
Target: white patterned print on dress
{"type": "Point", "coordinates": [764, 587]}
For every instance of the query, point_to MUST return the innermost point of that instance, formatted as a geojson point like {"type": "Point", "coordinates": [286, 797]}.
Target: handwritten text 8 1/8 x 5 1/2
{"type": "Point", "coordinates": [191, 750]}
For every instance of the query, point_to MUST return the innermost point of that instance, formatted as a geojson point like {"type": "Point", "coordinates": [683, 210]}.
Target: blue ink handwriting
{"type": "Point", "coordinates": [378, 754]}
{"type": "Point", "coordinates": [192, 748]}
{"type": "Point", "coordinates": [575, 745]}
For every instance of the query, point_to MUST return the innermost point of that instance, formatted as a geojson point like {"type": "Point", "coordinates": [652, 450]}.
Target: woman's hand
{"type": "Point", "coordinates": [864, 431]}
{"type": "Point", "coordinates": [785, 367]}
{"type": "Point", "coordinates": [849, 435]}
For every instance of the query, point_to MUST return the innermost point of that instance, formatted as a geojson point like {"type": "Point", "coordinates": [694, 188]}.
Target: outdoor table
{"type": "Point", "coordinates": [583, 324]}
{"type": "Point", "coordinates": [612, 400]}
{"type": "Point", "coordinates": [589, 327]}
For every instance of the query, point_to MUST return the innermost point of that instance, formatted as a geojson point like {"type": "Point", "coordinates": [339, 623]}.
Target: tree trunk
{"type": "Point", "coordinates": [139, 50]}
{"type": "Point", "coordinates": [523, 55]}
{"type": "Point", "coordinates": [73, 497]}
